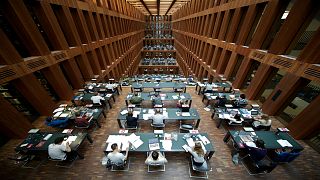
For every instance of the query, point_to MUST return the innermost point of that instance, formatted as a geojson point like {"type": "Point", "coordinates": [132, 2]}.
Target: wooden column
{"type": "Point", "coordinates": [21, 21]}
{"type": "Point", "coordinates": [32, 90]}
{"type": "Point", "coordinates": [231, 65]}
{"type": "Point", "coordinates": [13, 124]}
{"type": "Point", "coordinates": [84, 66]}
{"type": "Point", "coordinates": [273, 10]}
{"type": "Point", "coordinates": [58, 82]}
{"type": "Point", "coordinates": [261, 78]}
{"type": "Point", "coordinates": [50, 25]}
{"type": "Point", "coordinates": [73, 72]}
{"type": "Point", "coordinates": [307, 122]}
{"type": "Point", "coordinates": [283, 94]}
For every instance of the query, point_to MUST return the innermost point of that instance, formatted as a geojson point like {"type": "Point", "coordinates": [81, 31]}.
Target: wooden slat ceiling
{"type": "Point", "coordinates": [153, 7]}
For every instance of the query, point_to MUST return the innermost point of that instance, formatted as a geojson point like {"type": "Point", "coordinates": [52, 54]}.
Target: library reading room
{"type": "Point", "coordinates": [160, 89]}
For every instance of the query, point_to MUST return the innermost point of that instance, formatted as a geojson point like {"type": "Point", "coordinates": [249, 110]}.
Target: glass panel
{"type": "Point", "coordinates": [302, 100]}
{"type": "Point", "coordinates": [12, 95]}
{"type": "Point", "coordinates": [271, 85]}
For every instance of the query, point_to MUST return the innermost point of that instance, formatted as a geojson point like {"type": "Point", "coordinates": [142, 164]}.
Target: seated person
{"type": "Point", "coordinates": [241, 102]}
{"type": "Point", "coordinates": [116, 157]}
{"type": "Point", "coordinates": [81, 120]}
{"type": "Point", "coordinates": [131, 121]}
{"type": "Point", "coordinates": [263, 120]}
{"type": "Point", "coordinates": [236, 119]}
{"type": "Point", "coordinates": [257, 153]}
{"type": "Point", "coordinates": [281, 155]}
{"type": "Point", "coordinates": [155, 158]}
{"type": "Point", "coordinates": [158, 118]}
{"type": "Point", "coordinates": [135, 99]}
{"type": "Point", "coordinates": [156, 100]}
{"type": "Point", "coordinates": [96, 99]}
{"type": "Point", "coordinates": [58, 150]}
{"type": "Point", "coordinates": [198, 153]}
{"type": "Point", "coordinates": [110, 88]}
{"type": "Point", "coordinates": [180, 103]}
{"type": "Point", "coordinates": [221, 101]}
{"type": "Point", "coordinates": [209, 88]}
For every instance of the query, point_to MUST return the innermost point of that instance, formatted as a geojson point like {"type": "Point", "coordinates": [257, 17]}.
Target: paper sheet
{"type": "Point", "coordinates": [57, 114]}
{"type": "Point", "coordinates": [167, 144]}
{"type": "Point", "coordinates": [136, 144]}
{"type": "Point", "coordinates": [58, 109]}
{"type": "Point", "coordinates": [190, 142]}
{"type": "Point", "coordinates": [124, 112]}
{"type": "Point", "coordinates": [71, 139]}
{"type": "Point", "coordinates": [185, 114]}
{"type": "Point", "coordinates": [133, 137]}
{"type": "Point", "coordinates": [204, 139]}
{"type": "Point", "coordinates": [284, 143]}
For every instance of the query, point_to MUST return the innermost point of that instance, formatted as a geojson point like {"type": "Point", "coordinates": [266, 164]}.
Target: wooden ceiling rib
{"type": "Point", "coordinates": [158, 7]}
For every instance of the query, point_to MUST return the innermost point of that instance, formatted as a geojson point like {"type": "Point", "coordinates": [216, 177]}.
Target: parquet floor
{"type": "Point", "coordinates": [304, 167]}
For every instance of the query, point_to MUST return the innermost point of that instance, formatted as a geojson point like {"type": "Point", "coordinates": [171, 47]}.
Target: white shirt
{"type": "Point", "coordinates": [158, 118]}
{"type": "Point", "coordinates": [110, 86]}
{"type": "Point", "coordinates": [116, 158]}
{"type": "Point", "coordinates": [96, 99]}
{"type": "Point", "coordinates": [209, 87]}
{"type": "Point", "coordinates": [57, 151]}
{"type": "Point", "coordinates": [160, 161]}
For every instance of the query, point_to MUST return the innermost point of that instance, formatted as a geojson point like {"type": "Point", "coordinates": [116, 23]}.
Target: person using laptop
{"type": "Point", "coordinates": [198, 153]}
{"type": "Point", "coordinates": [156, 158]}
{"type": "Point", "coordinates": [116, 157]}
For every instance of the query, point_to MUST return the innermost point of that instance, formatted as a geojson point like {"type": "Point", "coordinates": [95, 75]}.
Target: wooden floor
{"type": "Point", "coordinates": [307, 166]}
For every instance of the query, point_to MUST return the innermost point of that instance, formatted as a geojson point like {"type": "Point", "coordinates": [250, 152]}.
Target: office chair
{"type": "Point", "coordinates": [199, 171]}
{"type": "Point", "coordinates": [156, 167]}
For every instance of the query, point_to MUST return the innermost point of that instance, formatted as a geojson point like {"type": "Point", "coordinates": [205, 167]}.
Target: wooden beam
{"type": "Point", "coordinates": [145, 6]}
{"type": "Point", "coordinates": [174, 1]}
{"type": "Point", "coordinates": [158, 6]}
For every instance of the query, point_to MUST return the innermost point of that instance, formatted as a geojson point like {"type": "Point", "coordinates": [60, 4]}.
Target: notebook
{"type": "Point", "coordinates": [154, 144]}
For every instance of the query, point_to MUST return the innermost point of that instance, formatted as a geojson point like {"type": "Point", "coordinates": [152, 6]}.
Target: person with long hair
{"type": "Point", "coordinates": [198, 153]}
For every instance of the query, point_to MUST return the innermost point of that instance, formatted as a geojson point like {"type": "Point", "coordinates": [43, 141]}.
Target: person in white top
{"type": "Point", "coordinates": [96, 99]}
{"type": "Point", "coordinates": [198, 153]}
{"type": "Point", "coordinates": [58, 150]}
{"type": "Point", "coordinates": [263, 120]}
{"type": "Point", "coordinates": [158, 118]}
{"type": "Point", "coordinates": [155, 158]}
{"type": "Point", "coordinates": [116, 157]}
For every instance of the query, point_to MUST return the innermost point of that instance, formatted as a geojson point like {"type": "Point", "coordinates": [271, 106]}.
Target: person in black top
{"type": "Point", "coordinates": [221, 101]}
{"type": "Point", "coordinates": [131, 121]}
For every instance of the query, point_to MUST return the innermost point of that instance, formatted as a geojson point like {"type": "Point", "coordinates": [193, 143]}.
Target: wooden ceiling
{"type": "Point", "coordinates": [158, 7]}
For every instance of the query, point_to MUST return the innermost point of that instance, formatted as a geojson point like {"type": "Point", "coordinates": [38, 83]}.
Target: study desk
{"type": "Point", "coordinates": [173, 85]}
{"type": "Point", "coordinates": [212, 96]}
{"type": "Point", "coordinates": [269, 137]}
{"type": "Point", "coordinates": [96, 113]}
{"type": "Point", "coordinates": [103, 87]}
{"type": "Point", "coordinates": [176, 145]}
{"type": "Point", "coordinates": [164, 97]}
{"type": "Point", "coordinates": [201, 87]}
{"type": "Point", "coordinates": [37, 145]}
{"type": "Point", "coordinates": [244, 113]}
{"type": "Point", "coordinates": [173, 114]}
{"type": "Point", "coordinates": [85, 98]}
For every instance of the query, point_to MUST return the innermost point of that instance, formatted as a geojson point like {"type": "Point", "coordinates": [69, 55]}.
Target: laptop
{"type": "Point", "coordinates": [185, 108]}
{"type": "Point", "coordinates": [254, 113]}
